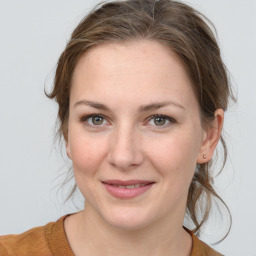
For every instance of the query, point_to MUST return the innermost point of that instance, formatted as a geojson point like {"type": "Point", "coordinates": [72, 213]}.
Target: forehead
{"type": "Point", "coordinates": [133, 69]}
{"type": "Point", "coordinates": [113, 56]}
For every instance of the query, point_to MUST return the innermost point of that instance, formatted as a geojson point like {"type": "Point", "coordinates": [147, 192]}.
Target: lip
{"type": "Point", "coordinates": [127, 182]}
{"type": "Point", "coordinates": [126, 193]}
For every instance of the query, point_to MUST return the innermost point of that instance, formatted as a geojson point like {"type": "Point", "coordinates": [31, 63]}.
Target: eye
{"type": "Point", "coordinates": [94, 120]}
{"type": "Point", "coordinates": [161, 120]}
{"type": "Point", "coordinates": [97, 120]}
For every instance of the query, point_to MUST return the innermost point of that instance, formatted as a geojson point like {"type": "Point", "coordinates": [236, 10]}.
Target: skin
{"type": "Point", "coordinates": [130, 145]}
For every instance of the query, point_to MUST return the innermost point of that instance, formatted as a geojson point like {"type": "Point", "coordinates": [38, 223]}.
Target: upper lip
{"type": "Point", "coordinates": [127, 182]}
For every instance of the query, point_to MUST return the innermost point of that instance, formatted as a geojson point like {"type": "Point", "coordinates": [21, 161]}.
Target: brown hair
{"type": "Point", "coordinates": [183, 30]}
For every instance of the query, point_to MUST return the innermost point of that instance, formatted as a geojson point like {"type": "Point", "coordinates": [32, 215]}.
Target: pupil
{"type": "Point", "coordinates": [159, 121]}
{"type": "Point", "coordinates": [97, 120]}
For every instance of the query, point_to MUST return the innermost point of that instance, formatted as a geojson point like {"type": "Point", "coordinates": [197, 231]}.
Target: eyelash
{"type": "Point", "coordinates": [84, 119]}
{"type": "Point", "coordinates": [167, 118]}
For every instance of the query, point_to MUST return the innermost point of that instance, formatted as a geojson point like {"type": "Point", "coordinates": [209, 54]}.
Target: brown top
{"type": "Point", "coordinates": [51, 240]}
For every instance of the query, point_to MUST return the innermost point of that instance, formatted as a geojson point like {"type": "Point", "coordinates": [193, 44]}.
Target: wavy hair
{"type": "Point", "coordinates": [183, 30]}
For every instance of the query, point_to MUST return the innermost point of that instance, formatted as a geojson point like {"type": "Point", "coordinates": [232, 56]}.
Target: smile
{"type": "Point", "coordinates": [130, 186]}
{"type": "Point", "coordinates": [127, 189]}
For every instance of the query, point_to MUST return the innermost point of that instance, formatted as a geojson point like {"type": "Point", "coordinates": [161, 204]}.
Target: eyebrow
{"type": "Point", "coordinates": [142, 108]}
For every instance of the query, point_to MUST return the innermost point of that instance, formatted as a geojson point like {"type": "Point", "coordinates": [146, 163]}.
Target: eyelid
{"type": "Point", "coordinates": [170, 119]}
{"type": "Point", "coordinates": [84, 119]}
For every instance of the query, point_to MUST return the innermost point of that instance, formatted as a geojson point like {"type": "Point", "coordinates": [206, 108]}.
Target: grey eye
{"type": "Point", "coordinates": [97, 120]}
{"type": "Point", "coordinates": [159, 121]}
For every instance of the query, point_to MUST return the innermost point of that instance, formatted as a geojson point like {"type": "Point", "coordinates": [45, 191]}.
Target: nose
{"type": "Point", "coordinates": [125, 150]}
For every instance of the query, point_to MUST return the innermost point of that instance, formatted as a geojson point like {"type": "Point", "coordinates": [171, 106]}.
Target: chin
{"type": "Point", "coordinates": [128, 219]}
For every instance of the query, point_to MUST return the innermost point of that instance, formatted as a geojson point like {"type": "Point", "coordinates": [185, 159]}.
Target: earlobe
{"type": "Point", "coordinates": [211, 138]}
{"type": "Point", "coordinates": [68, 150]}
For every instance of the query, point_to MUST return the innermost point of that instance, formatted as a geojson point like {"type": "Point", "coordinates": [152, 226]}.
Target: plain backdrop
{"type": "Point", "coordinates": [33, 34]}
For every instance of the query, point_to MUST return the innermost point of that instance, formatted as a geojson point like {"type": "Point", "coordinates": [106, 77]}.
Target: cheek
{"type": "Point", "coordinates": [86, 153]}
{"type": "Point", "coordinates": [175, 157]}
{"type": "Point", "coordinates": [87, 157]}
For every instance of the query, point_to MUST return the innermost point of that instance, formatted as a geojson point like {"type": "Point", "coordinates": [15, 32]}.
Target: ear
{"type": "Point", "coordinates": [68, 149]}
{"type": "Point", "coordinates": [211, 138]}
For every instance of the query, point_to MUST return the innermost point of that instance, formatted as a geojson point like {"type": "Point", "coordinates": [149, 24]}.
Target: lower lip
{"type": "Point", "coordinates": [126, 193]}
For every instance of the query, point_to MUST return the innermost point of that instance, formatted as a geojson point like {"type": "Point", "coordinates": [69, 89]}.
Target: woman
{"type": "Point", "coordinates": [142, 91]}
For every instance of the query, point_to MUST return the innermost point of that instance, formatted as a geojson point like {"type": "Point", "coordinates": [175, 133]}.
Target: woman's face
{"type": "Point", "coordinates": [134, 121]}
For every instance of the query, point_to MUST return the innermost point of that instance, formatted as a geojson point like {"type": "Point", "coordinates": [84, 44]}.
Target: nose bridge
{"type": "Point", "coordinates": [125, 148]}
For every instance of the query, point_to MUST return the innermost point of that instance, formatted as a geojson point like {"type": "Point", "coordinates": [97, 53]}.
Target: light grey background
{"type": "Point", "coordinates": [33, 34]}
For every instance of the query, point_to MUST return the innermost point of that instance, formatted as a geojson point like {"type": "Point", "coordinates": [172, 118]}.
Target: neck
{"type": "Point", "coordinates": [92, 236]}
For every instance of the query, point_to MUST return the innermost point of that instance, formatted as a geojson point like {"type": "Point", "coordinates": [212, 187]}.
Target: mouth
{"type": "Point", "coordinates": [127, 189]}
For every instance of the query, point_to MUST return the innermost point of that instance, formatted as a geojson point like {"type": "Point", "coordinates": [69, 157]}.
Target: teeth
{"type": "Point", "coordinates": [131, 186]}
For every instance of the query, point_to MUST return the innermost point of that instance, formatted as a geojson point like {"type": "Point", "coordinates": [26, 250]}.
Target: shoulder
{"type": "Point", "coordinates": [32, 242]}
{"type": "Point", "coordinates": [199, 248]}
